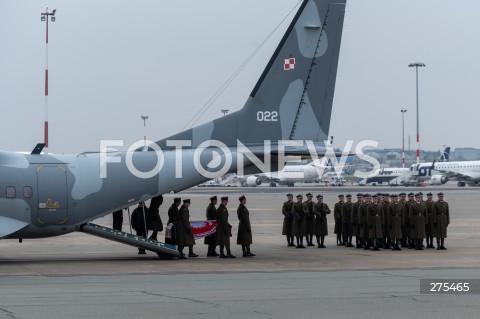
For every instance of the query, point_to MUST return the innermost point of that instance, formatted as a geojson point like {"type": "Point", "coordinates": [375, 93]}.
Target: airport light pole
{"type": "Point", "coordinates": [144, 118]}
{"type": "Point", "coordinates": [403, 136]}
{"type": "Point", "coordinates": [417, 65]}
{"type": "Point", "coordinates": [44, 17]}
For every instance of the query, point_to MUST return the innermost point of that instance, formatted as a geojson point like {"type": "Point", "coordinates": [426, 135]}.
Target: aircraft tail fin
{"type": "Point", "coordinates": [293, 97]}
{"type": "Point", "coordinates": [445, 155]}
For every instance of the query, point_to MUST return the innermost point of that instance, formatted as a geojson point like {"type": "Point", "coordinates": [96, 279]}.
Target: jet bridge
{"type": "Point", "coordinates": [163, 250]}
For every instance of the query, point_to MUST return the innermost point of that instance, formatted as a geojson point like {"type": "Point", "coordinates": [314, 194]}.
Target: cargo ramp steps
{"type": "Point", "coordinates": [163, 250]}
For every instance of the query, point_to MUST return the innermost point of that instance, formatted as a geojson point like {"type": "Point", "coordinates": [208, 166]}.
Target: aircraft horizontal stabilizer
{"type": "Point", "coordinates": [9, 226]}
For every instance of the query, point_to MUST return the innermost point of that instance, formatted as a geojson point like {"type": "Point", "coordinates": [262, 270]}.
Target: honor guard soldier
{"type": "Point", "coordinates": [223, 229]}
{"type": "Point", "coordinates": [362, 223]}
{"type": "Point", "coordinates": [309, 219]}
{"type": "Point", "coordinates": [394, 222]}
{"type": "Point", "coordinates": [429, 227]}
{"type": "Point", "coordinates": [402, 199]}
{"type": "Point", "coordinates": [117, 220]}
{"type": "Point", "coordinates": [211, 240]}
{"type": "Point", "coordinates": [139, 223]}
{"type": "Point", "coordinates": [407, 234]}
{"type": "Point", "coordinates": [320, 209]}
{"type": "Point", "coordinates": [298, 221]}
{"type": "Point", "coordinates": [386, 241]}
{"type": "Point", "coordinates": [441, 221]}
{"type": "Point", "coordinates": [244, 235]}
{"type": "Point", "coordinates": [347, 221]}
{"type": "Point", "coordinates": [287, 229]}
{"type": "Point", "coordinates": [154, 222]}
{"type": "Point", "coordinates": [337, 214]}
{"type": "Point", "coordinates": [172, 219]}
{"type": "Point", "coordinates": [355, 227]}
{"type": "Point", "coordinates": [375, 222]}
{"type": "Point", "coordinates": [418, 219]}
{"type": "Point", "coordinates": [185, 234]}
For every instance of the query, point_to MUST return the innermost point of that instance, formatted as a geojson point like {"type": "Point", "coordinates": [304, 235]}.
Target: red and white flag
{"type": "Point", "coordinates": [201, 229]}
{"type": "Point", "coordinates": [289, 64]}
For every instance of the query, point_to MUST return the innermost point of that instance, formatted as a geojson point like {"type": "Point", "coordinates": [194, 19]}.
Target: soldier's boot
{"type": "Point", "coordinates": [182, 255]}
{"type": "Point", "coordinates": [229, 254]}
{"type": "Point", "coordinates": [222, 255]}
{"type": "Point", "coordinates": [421, 243]}
{"type": "Point", "coordinates": [318, 241]}
{"type": "Point", "coordinates": [431, 242]}
{"type": "Point", "coordinates": [249, 253]}
{"type": "Point", "coordinates": [213, 252]}
{"type": "Point", "coordinates": [301, 242]}
{"type": "Point", "coordinates": [397, 246]}
{"type": "Point", "coordinates": [418, 245]}
{"type": "Point", "coordinates": [442, 241]}
{"type": "Point", "coordinates": [359, 243]}
{"type": "Point", "coordinates": [367, 244]}
{"type": "Point", "coordinates": [411, 244]}
{"type": "Point", "coordinates": [191, 254]}
{"type": "Point", "coordinates": [291, 242]}
{"type": "Point", "coordinates": [322, 240]}
{"type": "Point", "coordinates": [244, 251]}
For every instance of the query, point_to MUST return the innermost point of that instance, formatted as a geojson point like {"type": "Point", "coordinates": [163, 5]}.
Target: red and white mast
{"type": "Point", "coordinates": [44, 17]}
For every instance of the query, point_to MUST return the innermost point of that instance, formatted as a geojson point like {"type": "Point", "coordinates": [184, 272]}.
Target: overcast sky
{"type": "Point", "coordinates": [112, 61]}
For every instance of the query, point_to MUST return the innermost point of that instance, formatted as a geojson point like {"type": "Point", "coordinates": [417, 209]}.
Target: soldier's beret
{"type": "Point", "coordinates": [177, 199]}
{"type": "Point", "coordinates": [225, 198]}
{"type": "Point", "coordinates": [440, 194]}
{"type": "Point", "coordinates": [402, 194]}
{"type": "Point", "coordinates": [410, 194]}
{"type": "Point", "coordinates": [299, 196]}
{"type": "Point", "coordinates": [319, 196]}
{"type": "Point", "coordinates": [340, 196]}
{"type": "Point", "coordinates": [186, 200]}
{"type": "Point", "coordinates": [309, 194]}
{"type": "Point", "coordinates": [359, 195]}
{"type": "Point", "coordinates": [374, 196]}
{"type": "Point", "coordinates": [289, 195]}
{"type": "Point", "coordinates": [242, 198]}
{"type": "Point", "coordinates": [429, 194]}
{"type": "Point", "coordinates": [348, 196]}
{"type": "Point", "coordinates": [213, 198]}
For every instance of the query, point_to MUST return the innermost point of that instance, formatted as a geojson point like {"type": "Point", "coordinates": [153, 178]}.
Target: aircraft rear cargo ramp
{"type": "Point", "coordinates": [163, 250]}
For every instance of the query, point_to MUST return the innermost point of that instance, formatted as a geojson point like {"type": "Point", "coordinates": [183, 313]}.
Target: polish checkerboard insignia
{"type": "Point", "coordinates": [289, 64]}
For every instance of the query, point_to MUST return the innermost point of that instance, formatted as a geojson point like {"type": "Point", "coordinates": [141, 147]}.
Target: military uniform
{"type": "Point", "coordinates": [244, 235]}
{"type": "Point", "coordinates": [117, 220]}
{"type": "Point", "coordinates": [375, 221]}
{"type": "Point", "coordinates": [394, 222]}
{"type": "Point", "coordinates": [298, 222]}
{"type": "Point", "coordinates": [337, 215]}
{"type": "Point", "coordinates": [429, 227]}
{"type": "Point", "coordinates": [386, 242]}
{"type": "Point", "coordinates": [211, 241]}
{"type": "Point", "coordinates": [154, 221]}
{"type": "Point", "coordinates": [172, 219]}
{"type": "Point", "coordinates": [355, 227]}
{"type": "Point", "coordinates": [309, 220]}
{"type": "Point", "coordinates": [185, 235]}
{"type": "Point", "coordinates": [321, 226]}
{"type": "Point", "coordinates": [407, 227]}
{"type": "Point", "coordinates": [441, 221]}
{"type": "Point", "coordinates": [362, 225]}
{"type": "Point", "coordinates": [287, 229]}
{"type": "Point", "coordinates": [418, 219]}
{"type": "Point", "coordinates": [347, 231]}
{"type": "Point", "coordinates": [223, 229]}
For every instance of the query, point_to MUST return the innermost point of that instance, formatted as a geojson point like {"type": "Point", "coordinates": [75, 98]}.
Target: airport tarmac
{"type": "Point", "coordinates": [79, 275]}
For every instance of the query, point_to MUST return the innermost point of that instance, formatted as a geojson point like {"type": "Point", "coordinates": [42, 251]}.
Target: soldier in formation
{"type": "Point", "coordinates": [375, 222]}
{"type": "Point", "coordinates": [347, 227]}
{"type": "Point", "coordinates": [355, 226]}
{"type": "Point", "coordinates": [298, 221]}
{"type": "Point", "coordinates": [429, 227]}
{"type": "Point", "coordinates": [395, 222]}
{"type": "Point", "coordinates": [185, 234]}
{"type": "Point", "coordinates": [309, 219]}
{"type": "Point", "coordinates": [320, 209]}
{"type": "Point", "coordinates": [211, 240]}
{"type": "Point", "coordinates": [287, 229]}
{"type": "Point", "coordinates": [244, 235]}
{"type": "Point", "coordinates": [223, 229]}
{"type": "Point", "coordinates": [337, 215]}
{"type": "Point", "coordinates": [441, 220]}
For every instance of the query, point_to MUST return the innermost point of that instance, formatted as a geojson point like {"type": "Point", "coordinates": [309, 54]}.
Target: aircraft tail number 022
{"type": "Point", "coordinates": [267, 116]}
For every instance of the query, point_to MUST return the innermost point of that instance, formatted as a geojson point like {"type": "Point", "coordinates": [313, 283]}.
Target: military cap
{"type": "Point", "coordinates": [213, 198]}
{"type": "Point", "coordinates": [440, 194]}
{"type": "Point", "coordinates": [418, 195]}
{"type": "Point", "coordinates": [421, 194]}
{"type": "Point", "coordinates": [186, 200]}
{"type": "Point", "coordinates": [411, 194]}
{"type": "Point", "coordinates": [309, 194]}
{"type": "Point", "coordinates": [374, 196]}
{"type": "Point", "coordinates": [348, 196]}
{"type": "Point", "coordinates": [359, 195]}
{"type": "Point", "coordinates": [289, 195]}
{"type": "Point", "coordinates": [299, 196]}
{"type": "Point", "coordinates": [386, 194]}
{"type": "Point", "coordinates": [429, 194]}
{"type": "Point", "coordinates": [242, 198]}
{"type": "Point", "coordinates": [379, 194]}
{"type": "Point", "coordinates": [319, 196]}
{"type": "Point", "coordinates": [177, 199]}
{"type": "Point", "coordinates": [402, 194]}
{"type": "Point", "coordinates": [225, 198]}
{"type": "Point", "coordinates": [394, 196]}
{"type": "Point", "coordinates": [367, 195]}
{"type": "Point", "coordinates": [340, 196]}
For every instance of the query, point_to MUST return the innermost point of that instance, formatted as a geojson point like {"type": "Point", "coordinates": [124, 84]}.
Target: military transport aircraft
{"type": "Point", "coordinates": [44, 195]}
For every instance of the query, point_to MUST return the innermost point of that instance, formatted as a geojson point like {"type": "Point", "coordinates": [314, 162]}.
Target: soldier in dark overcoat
{"type": "Point", "coordinates": [211, 241]}
{"type": "Point", "coordinates": [287, 229]}
{"type": "Point", "coordinates": [442, 220]}
{"type": "Point", "coordinates": [185, 234]}
{"type": "Point", "coordinates": [320, 209]}
{"type": "Point", "coordinates": [223, 229]}
{"type": "Point", "coordinates": [298, 221]}
{"type": "Point", "coordinates": [244, 235]}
